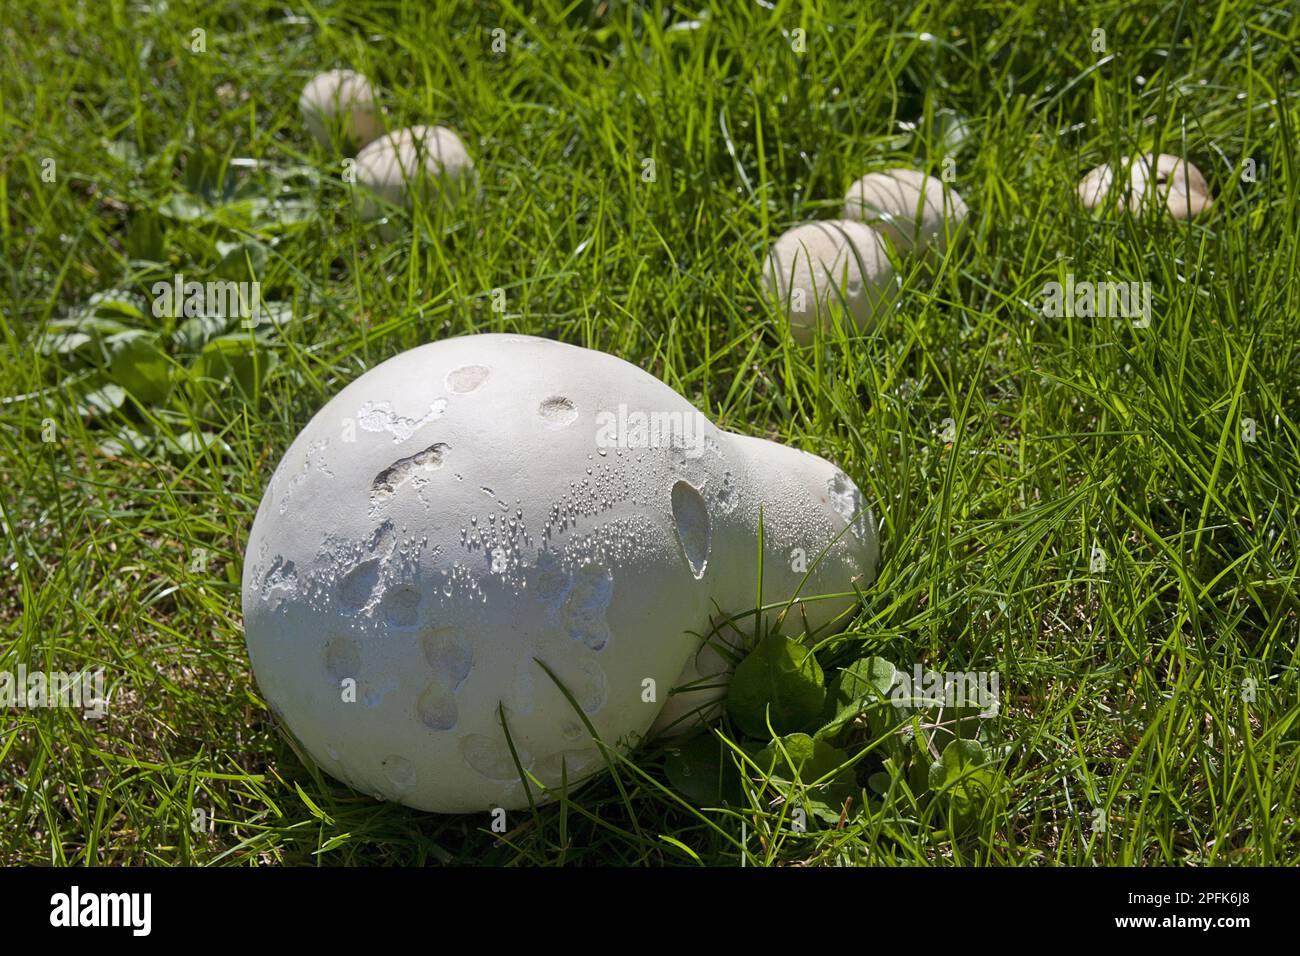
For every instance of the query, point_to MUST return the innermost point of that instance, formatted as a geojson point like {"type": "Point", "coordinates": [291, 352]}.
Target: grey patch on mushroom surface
{"type": "Point", "coordinates": [566, 765]}
{"type": "Point", "coordinates": [401, 606]}
{"type": "Point", "coordinates": [591, 692]}
{"type": "Point", "coordinates": [589, 596]}
{"type": "Point", "coordinates": [727, 496]}
{"type": "Point", "coordinates": [551, 582]}
{"type": "Point", "coordinates": [691, 521]}
{"type": "Point", "coordinates": [583, 679]}
{"type": "Point", "coordinates": [403, 470]}
{"type": "Point", "coordinates": [491, 757]}
{"type": "Point", "coordinates": [282, 575]}
{"type": "Point", "coordinates": [450, 658]}
{"type": "Point", "coordinates": [380, 417]}
{"type": "Point", "coordinates": [848, 503]}
{"type": "Point", "coordinates": [374, 692]}
{"type": "Point", "coordinates": [467, 378]}
{"type": "Point", "coordinates": [356, 587]}
{"type": "Point", "coordinates": [436, 707]}
{"type": "Point", "coordinates": [523, 687]}
{"type": "Point", "coordinates": [342, 657]}
{"type": "Point", "coordinates": [557, 411]}
{"type": "Point", "coordinates": [399, 771]}
{"type": "Point", "coordinates": [313, 459]}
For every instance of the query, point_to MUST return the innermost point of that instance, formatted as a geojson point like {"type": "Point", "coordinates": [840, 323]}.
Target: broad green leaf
{"type": "Point", "coordinates": [117, 303]}
{"type": "Point", "coordinates": [146, 237]}
{"type": "Point", "coordinates": [83, 320]}
{"type": "Point", "coordinates": [183, 208]}
{"type": "Point", "coordinates": [241, 261]}
{"type": "Point", "coordinates": [800, 756]}
{"type": "Point", "coordinates": [123, 440]}
{"type": "Point", "coordinates": [703, 769]}
{"type": "Point", "coordinates": [963, 779]}
{"type": "Point", "coordinates": [282, 213]}
{"type": "Point", "coordinates": [106, 398]}
{"type": "Point", "coordinates": [139, 365]}
{"type": "Point", "coordinates": [192, 334]}
{"type": "Point", "coordinates": [124, 152]}
{"type": "Point", "coordinates": [862, 686]}
{"type": "Point", "coordinates": [64, 343]}
{"type": "Point", "coordinates": [949, 131]}
{"type": "Point", "coordinates": [880, 781]}
{"type": "Point", "coordinates": [233, 358]}
{"type": "Point", "coordinates": [802, 759]}
{"type": "Point", "coordinates": [189, 443]}
{"type": "Point", "coordinates": [207, 175]}
{"type": "Point", "coordinates": [782, 674]}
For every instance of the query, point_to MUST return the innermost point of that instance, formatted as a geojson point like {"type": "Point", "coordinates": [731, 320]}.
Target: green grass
{"type": "Point", "coordinates": [1122, 688]}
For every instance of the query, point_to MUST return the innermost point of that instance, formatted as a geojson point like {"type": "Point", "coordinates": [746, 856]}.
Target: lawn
{"type": "Point", "coordinates": [1103, 512]}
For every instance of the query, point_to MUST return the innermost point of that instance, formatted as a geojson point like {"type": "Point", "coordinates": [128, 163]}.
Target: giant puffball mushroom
{"type": "Point", "coordinates": [1176, 184]}
{"type": "Point", "coordinates": [477, 522]}
{"type": "Point", "coordinates": [908, 207]}
{"type": "Point", "coordinates": [341, 104]}
{"type": "Point", "coordinates": [821, 267]}
{"type": "Point", "coordinates": [413, 165]}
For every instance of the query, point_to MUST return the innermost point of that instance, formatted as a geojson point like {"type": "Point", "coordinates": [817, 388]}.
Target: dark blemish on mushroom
{"type": "Point", "coordinates": [583, 679]}
{"type": "Point", "coordinates": [402, 606]}
{"type": "Point", "coordinates": [691, 518]}
{"type": "Point", "coordinates": [342, 658]}
{"type": "Point", "coordinates": [567, 765]}
{"type": "Point", "coordinates": [399, 771]}
{"type": "Point", "coordinates": [448, 655]}
{"type": "Point", "coordinates": [403, 470]}
{"type": "Point", "coordinates": [727, 495]}
{"type": "Point", "coordinates": [357, 585]}
{"type": "Point", "coordinates": [557, 412]}
{"type": "Point", "coordinates": [551, 583]}
{"type": "Point", "coordinates": [466, 379]}
{"type": "Point", "coordinates": [373, 692]}
{"type": "Point", "coordinates": [492, 758]}
{"type": "Point", "coordinates": [282, 574]}
{"type": "Point", "coordinates": [436, 707]}
{"type": "Point", "coordinates": [382, 539]}
{"type": "Point", "coordinates": [847, 501]}
{"type": "Point", "coordinates": [590, 592]}
{"type": "Point", "coordinates": [380, 417]}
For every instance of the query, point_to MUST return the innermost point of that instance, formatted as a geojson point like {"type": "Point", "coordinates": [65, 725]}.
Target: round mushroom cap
{"type": "Point", "coordinates": [340, 106]}
{"type": "Point", "coordinates": [419, 163]}
{"type": "Point", "coordinates": [821, 268]}
{"type": "Point", "coordinates": [483, 543]}
{"type": "Point", "coordinates": [1146, 180]}
{"type": "Point", "coordinates": [912, 210]}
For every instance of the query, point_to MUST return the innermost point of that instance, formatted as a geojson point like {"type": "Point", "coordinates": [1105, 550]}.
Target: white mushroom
{"type": "Point", "coordinates": [477, 519]}
{"type": "Point", "coordinates": [412, 165]}
{"type": "Point", "coordinates": [340, 107]}
{"type": "Point", "coordinates": [912, 210]}
{"type": "Point", "coordinates": [823, 268]}
{"type": "Point", "coordinates": [1176, 184]}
